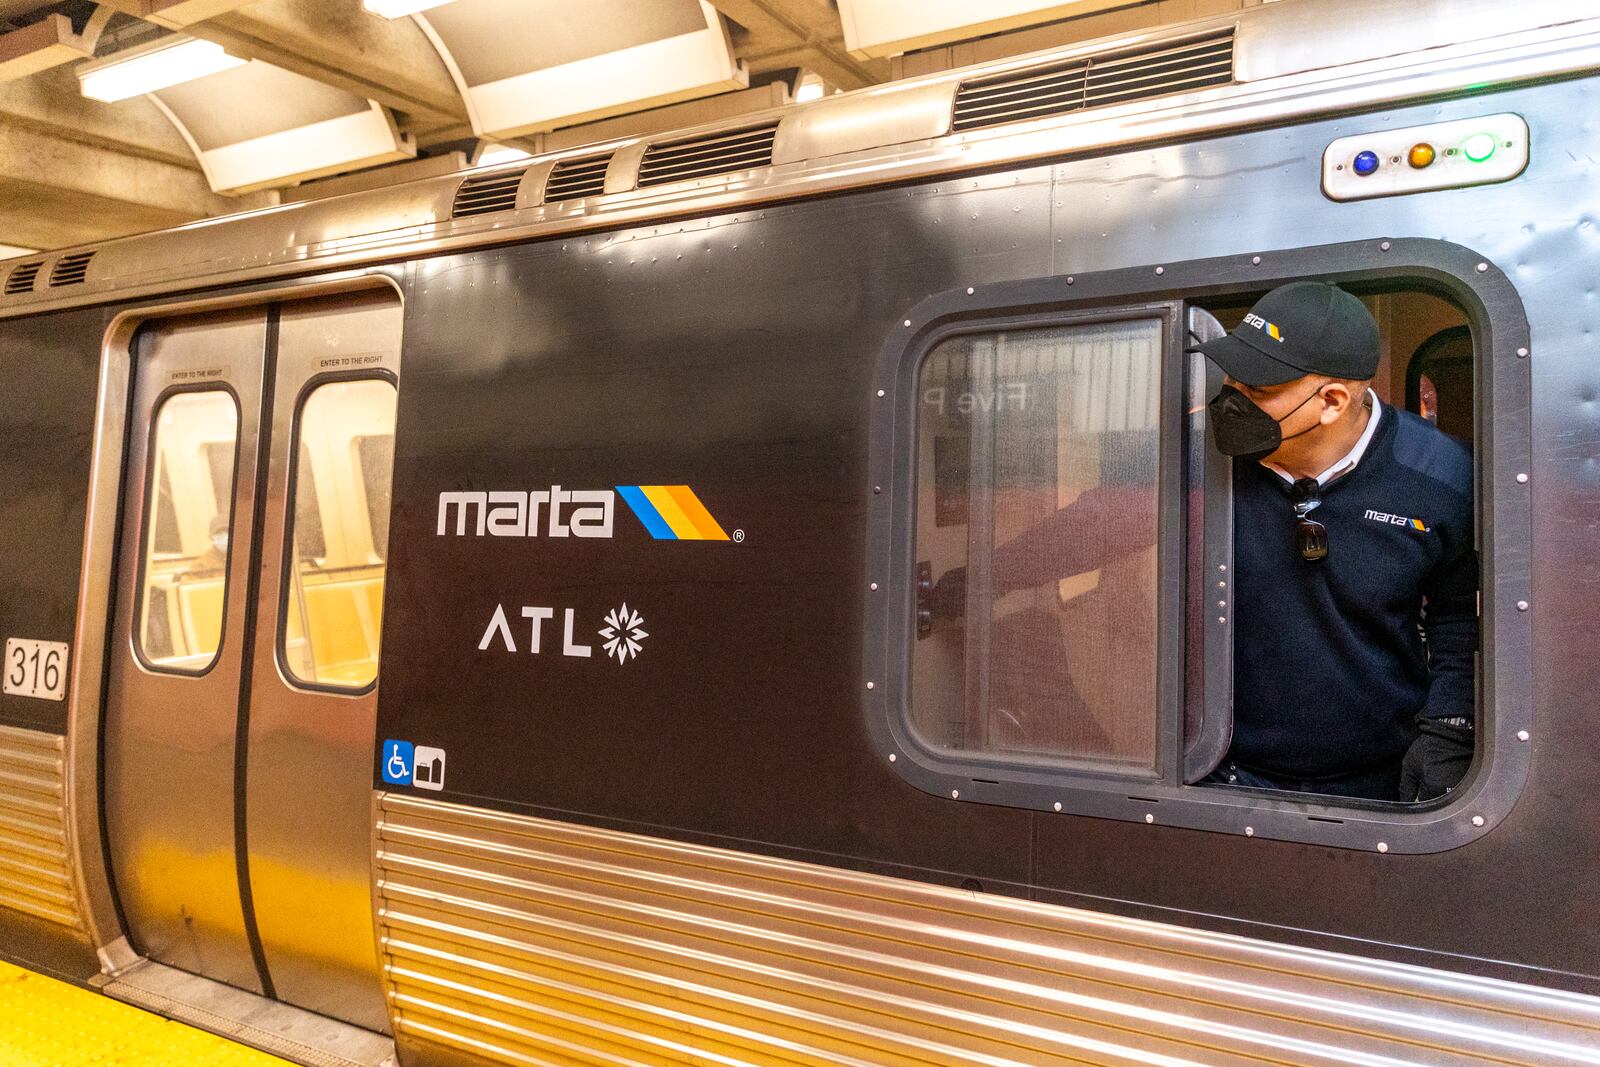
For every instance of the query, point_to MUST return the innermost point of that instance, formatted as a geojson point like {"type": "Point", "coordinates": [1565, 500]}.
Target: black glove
{"type": "Point", "coordinates": [948, 600]}
{"type": "Point", "coordinates": [1436, 760]}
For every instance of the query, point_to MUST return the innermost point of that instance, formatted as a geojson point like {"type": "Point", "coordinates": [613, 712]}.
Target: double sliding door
{"type": "Point", "coordinates": [244, 662]}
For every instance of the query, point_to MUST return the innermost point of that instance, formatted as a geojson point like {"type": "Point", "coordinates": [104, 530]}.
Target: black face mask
{"type": "Point", "coordinates": [1240, 428]}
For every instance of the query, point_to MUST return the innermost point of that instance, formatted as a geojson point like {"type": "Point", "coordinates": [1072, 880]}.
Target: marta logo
{"type": "Point", "coordinates": [668, 512]}
{"type": "Point", "coordinates": [1396, 520]}
{"type": "Point", "coordinates": [1262, 324]}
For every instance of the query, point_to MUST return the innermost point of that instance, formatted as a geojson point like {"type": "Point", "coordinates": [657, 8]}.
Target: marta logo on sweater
{"type": "Point", "coordinates": [1396, 520]}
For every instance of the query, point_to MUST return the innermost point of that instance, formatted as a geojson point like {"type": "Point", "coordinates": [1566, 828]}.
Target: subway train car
{"type": "Point", "coordinates": [487, 620]}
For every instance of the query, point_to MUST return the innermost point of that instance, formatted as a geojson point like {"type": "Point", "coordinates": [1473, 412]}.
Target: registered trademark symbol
{"type": "Point", "coordinates": [738, 535]}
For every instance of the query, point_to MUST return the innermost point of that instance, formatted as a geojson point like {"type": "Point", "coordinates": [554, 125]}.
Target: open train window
{"type": "Point", "coordinates": [1059, 541]}
{"type": "Point", "coordinates": [1438, 381]}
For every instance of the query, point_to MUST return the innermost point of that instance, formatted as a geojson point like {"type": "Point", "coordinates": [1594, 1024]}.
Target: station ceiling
{"type": "Point", "coordinates": [311, 97]}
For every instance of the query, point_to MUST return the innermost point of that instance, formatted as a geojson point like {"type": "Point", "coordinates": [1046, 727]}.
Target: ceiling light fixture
{"type": "Point", "coordinates": [163, 63]}
{"type": "Point", "coordinates": [810, 88]}
{"type": "Point", "coordinates": [492, 154]}
{"type": "Point", "coordinates": [399, 9]}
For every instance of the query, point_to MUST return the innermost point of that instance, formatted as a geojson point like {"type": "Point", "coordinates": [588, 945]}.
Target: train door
{"type": "Point", "coordinates": [243, 666]}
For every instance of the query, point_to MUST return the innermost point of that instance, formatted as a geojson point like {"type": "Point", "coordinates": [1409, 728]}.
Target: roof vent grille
{"type": "Point", "coordinates": [70, 270]}
{"type": "Point", "coordinates": [485, 194]}
{"type": "Point", "coordinates": [20, 280]}
{"type": "Point", "coordinates": [574, 179]}
{"type": "Point", "coordinates": [1095, 81]}
{"type": "Point", "coordinates": [701, 157]}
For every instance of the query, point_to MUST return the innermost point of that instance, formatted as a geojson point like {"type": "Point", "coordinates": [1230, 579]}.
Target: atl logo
{"type": "Point", "coordinates": [621, 634]}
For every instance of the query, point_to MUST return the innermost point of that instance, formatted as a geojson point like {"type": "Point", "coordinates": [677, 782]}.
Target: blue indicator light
{"type": "Point", "coordinates": [1366, 163]}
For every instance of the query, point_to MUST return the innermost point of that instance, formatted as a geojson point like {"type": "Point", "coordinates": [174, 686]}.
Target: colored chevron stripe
{"type": "Point", "coordinates": [672, 513]}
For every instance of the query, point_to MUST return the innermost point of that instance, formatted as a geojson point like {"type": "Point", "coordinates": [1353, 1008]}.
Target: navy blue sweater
{"type": "Point", "coordinates": [1330, 670]}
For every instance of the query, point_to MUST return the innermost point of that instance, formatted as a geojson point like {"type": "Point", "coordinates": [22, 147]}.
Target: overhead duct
{"type": "Point", "coordinates": [174, 14]}
{"type": "Point", "coordinates": [260, 126]}
{"type": "Point", "coordinates": [485, 194]}
{"type": "Point", "coordinates": [707, 155]}
{"type": "Point", "coordinates": [527, 66]}
{"type": "Point", "coordinates": [47, 43]}
{"type": "Point", "coordinates": [1094, 81]}
{"type": "Point", "coordinates": [70, 269]}
{"type": "Point", "coordinates": [574, 179]}
{"type": "Point", "coordinates": [22, 277]}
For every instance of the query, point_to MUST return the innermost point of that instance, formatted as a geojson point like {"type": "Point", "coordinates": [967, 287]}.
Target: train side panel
{"type": "Point", "coordinates": [49, 367]}
{"type": "Point", "coordinates": [734, 356]}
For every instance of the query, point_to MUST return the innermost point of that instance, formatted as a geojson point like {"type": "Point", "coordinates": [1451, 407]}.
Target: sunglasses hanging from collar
{"type": "Point", "coordinates": [1310, 536]}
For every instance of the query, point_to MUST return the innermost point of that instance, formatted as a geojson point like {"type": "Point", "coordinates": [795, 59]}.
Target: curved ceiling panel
{"type": "Point", "coordinates": [892, 27]}
{"type": "Point", "coordinates": [258, 126]}
{"type": "Point", "coordinates": [526, 66]}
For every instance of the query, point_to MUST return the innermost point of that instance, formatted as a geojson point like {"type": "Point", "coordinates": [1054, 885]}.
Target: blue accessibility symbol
{"type": "Point", "coordinates": [397, 762]}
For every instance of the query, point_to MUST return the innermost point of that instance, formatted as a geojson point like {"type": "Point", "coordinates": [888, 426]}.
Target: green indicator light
{"type": "Point", "coordinates": [1478, 147]}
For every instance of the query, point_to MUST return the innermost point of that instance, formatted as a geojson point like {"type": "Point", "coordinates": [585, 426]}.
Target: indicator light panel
{"type": "Point", "coordinates": [1419, 159]}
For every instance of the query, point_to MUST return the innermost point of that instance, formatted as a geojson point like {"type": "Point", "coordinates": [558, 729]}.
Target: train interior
{"type": "Point", "coordinates": [1065, 422]}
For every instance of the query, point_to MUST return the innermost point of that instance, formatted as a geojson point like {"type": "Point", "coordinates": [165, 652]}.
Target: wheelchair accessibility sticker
{"type": "Point", "coordinates": [418, 766]}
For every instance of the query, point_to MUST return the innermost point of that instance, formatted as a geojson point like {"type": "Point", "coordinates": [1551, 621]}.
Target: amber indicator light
{"type": "Point", "coordinates": [1421, 155]}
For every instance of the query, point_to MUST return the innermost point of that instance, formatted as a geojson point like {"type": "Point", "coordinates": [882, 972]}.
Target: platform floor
{"type": "Point", "coordinates": [48, 1023]}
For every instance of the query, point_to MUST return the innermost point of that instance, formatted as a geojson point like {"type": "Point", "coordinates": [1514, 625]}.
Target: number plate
{"type": "Point", "coordinates": [36, 669]}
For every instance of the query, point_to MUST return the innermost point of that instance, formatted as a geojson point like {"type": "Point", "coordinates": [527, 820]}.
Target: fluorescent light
{"type": "Point", "coordinates": [399, 9]}
{"type": "Point", "coordinates": [7, 251]}
{"type": "Point", "coordinates": [169, 61]}
{"type": "Point", "coordinates": [809, 89]}
{"type": "Point", "coordinates": [499, 153]}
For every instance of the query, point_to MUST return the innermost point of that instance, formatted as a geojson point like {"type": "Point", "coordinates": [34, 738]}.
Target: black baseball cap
{"type": "Point", "coordinates": [1298, 329]}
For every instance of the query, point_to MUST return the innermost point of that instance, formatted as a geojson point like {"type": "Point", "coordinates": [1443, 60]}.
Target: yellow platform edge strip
{"type": "Point", "coordinates": [49, 1023]}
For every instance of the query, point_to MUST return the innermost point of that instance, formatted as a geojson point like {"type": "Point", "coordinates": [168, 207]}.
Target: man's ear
{"type": "Point", "coordinates": [1338, 398]}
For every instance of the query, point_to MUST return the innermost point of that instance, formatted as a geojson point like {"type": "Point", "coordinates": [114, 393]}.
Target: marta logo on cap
{"type": "Point", "coordinates": [1262, 324]}
{"type": "Point", "coordinates": [1299, 329]}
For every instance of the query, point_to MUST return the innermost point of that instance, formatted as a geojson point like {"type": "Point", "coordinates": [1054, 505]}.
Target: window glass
{"type": "Point", "coordinates": [188, 517]}
{"type": "Point", "coordinates": [335, 597]}
{"type": "Point", "coordinates": [1035, 531]}
{"type": "Point", "coordinates": [219, 457]}
{"type": "Point", "coordinates": [376, 455]}
{"type": "Point", "coordinates": [167, 541]}
{"type": "Point", "coordinates": [308, 537]}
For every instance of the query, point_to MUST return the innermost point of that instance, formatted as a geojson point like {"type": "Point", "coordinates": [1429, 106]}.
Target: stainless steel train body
{"type": "Point", "coordinates": [643, 780]}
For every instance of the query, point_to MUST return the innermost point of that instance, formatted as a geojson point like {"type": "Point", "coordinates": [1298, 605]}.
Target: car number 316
{"type": "Point", "coordinates": [36, 668]}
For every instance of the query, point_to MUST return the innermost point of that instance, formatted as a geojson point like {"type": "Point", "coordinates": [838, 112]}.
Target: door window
{"type": "Point", "coordinates": [345, 461]}
{"type": "Point", "coordinates": [188, 531]}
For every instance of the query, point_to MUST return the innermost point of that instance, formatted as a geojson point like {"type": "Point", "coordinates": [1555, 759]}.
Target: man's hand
{"type": "Point", "coordinates": [1436, 760]}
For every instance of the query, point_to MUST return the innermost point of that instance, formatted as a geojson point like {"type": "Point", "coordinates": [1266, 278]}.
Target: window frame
{"type": "Point", "coordinates": [147, 530]}
{"type": "Point", "coordinates": [1503, 437]}
{"type": "Point", "coordinates": [287, 548]}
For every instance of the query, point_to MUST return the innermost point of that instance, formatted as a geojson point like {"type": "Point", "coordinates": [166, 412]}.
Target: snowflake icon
{"type": "Point", "coordinates": [622, 633]}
